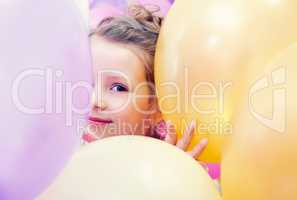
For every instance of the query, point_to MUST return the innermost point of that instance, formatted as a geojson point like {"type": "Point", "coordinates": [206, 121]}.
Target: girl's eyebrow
{"type": "Point", "coordinates": [112, 77]}
{"type": "Point", "coordinates": [116, 76]}
{"type": "Point", "coordinates": [112, 74]}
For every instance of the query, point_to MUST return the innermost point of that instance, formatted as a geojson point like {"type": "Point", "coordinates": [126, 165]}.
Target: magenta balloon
{"type": "Point", "coordinates": [44, 44]}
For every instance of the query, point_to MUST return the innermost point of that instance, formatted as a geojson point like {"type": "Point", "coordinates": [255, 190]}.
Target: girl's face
{"type": "Point", "coordinates": [121, 102]}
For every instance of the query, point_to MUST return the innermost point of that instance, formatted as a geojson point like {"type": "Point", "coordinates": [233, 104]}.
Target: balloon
{"type": "Point", "coordinates": [261, 156]}
{"type": "Point", "coordinates": [83, 6]}
{"type": "Point", "coordinates": [171, 1]}
{"type": "Point", "coordinates": [201, 68]}
{"type": "Point", "coordinates": [132, 167]}
{"type": "Point", "coordinates": [163, 5]}
{"type": "Point", "coordinates": [120, 4]}
{"type": "Point", "coordinates": [44, 57]}
{"type": "Point", "coordinates": [102, 11]}
{"type": "Point", "coordinates": [199, 61]}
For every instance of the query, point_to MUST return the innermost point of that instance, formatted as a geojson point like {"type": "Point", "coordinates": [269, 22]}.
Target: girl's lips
{"type": "Point", "coordinates": [98, 121]}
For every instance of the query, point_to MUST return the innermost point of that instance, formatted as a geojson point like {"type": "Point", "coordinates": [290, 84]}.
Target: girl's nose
{"type": "Point", "coordinates": [98, 103]}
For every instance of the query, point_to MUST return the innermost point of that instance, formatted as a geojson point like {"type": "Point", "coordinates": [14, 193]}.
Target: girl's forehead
{"type": "Point", "coordinates": [112, 59]}
{"type": "Point", "coordinates": [113, 75]}
{"type": "Point", "coordinates": [133, 73]}
{"type": "Point", "coordinates": [111, 54]}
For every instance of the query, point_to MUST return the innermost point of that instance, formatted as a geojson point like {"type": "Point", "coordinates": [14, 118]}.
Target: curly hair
{"type": "Point", "coordinates": [140, 28]}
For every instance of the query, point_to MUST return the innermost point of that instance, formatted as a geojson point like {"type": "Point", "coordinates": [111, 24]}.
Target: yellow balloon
{"type": "Point", "coordinates": [201, 55]}
{"type": "Point", "coordinates": [132, 168]}
{"type": "Point", "coordinates": [204, 53]}
{"type": "Point", "coordinates": [261, 158]}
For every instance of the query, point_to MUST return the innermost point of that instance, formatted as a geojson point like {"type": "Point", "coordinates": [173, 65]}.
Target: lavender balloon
{"type": "Point", "coordinates": [44, 73]}
{"type": "Point", "coordinates": [120, 4]}
{"type": "Point", "coordinates": [171, 1]}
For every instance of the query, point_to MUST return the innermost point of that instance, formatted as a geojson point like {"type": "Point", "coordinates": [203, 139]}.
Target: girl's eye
{"type": "Point", "coordinates": [117, 87]}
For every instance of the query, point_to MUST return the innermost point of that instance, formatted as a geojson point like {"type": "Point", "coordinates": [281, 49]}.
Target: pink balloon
{"type": "Point", "coordinates": [102, 11]}
{"type": "Point", "coordinates": [44, 57]}
{"type": "Point", "coordinates": [120, 4]}
{"type": "Point", "coordinates": [171, 1]}
{"type": "Point", "coordinates": [164, 5]}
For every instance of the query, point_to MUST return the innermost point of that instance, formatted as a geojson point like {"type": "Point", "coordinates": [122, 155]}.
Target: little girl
{"type": "Point", "coordinates": [124, 100]}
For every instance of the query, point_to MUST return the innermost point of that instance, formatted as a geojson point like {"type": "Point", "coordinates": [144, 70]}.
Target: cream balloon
{"type": "Point", "coordinates": [261, 158]}
{"type": "Point", "coordinates": [132, 168]}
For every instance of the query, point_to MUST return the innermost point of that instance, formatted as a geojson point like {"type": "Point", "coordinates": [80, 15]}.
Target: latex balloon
{"type": "Point", "coordinates": [200, 59]}
{"type": "Point", "coordinates": [171, 1]}
{"type": "Point", "coordinates": [261, 159]}
{"type": "Point", "coordinates": [120, 4]}
{"type": "Point", "coordinates": [163, 5]}
{"type": "Point", "coordinates": [83, 6]}
{"type": "Point", "coordinates": [102, 11]}
{"type": "Point", "coordinates": [257, 141]}
{"type": "Point", "coordinates": [200, 69]}
{"type": "Point", "coordinates": [44, 57]}
{"type": "Point", "coordinates": [132, 167]}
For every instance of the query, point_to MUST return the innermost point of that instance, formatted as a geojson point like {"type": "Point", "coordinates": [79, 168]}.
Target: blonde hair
{"type": "Point", "coordinates": [139, 28]}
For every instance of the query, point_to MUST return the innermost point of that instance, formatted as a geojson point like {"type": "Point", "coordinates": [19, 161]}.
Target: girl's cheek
{"type": "Point", "coordinates": [142, 99]}
{"type": "Point", "coordinates": [141, 104]}
{"type": "Point", "coordinates": [127, 102]}
{"type": "Point", "coordinates": [118, 102]}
